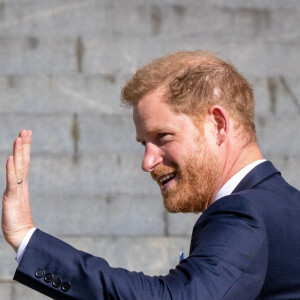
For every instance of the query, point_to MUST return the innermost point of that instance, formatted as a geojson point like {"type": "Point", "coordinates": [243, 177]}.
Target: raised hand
{"type": "Point", "coordinates": [16, 213]}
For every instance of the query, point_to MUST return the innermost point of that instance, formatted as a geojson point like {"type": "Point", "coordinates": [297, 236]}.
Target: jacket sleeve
{"type": "Point", "coordinates": [228, 260]}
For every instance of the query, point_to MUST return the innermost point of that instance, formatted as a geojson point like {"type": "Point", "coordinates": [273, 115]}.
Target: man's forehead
{"type": "Point", "coordinates": [152, 104]}
{"type": "Point", "coordinates": [152, 120]}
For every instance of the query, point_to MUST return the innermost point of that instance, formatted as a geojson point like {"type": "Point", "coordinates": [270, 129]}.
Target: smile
{"type": "Point", "coordinates": [166, 178]}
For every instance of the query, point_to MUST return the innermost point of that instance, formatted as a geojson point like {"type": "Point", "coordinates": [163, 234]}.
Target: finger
{"type": "Point", "coordinates": [11, 179]}
{"type": "Point", "coordinates": [18, 158]}
{"type": "Point", "coordinates": [26, 136]}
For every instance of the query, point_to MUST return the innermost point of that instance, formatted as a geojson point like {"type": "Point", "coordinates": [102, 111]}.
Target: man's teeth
{"type": "Point", "coordinates": [166, 177]}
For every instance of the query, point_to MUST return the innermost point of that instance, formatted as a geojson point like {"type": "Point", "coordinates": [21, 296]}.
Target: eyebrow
{"type": "Point", "coordinates": [155, 130]}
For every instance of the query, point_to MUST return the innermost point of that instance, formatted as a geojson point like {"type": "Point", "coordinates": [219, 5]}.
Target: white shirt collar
{"type": "Point", "coordinates": [233, 182]}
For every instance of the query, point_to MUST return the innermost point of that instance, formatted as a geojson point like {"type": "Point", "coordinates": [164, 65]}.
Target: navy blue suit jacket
{"type": "Point", "coordinates": [244, 246]}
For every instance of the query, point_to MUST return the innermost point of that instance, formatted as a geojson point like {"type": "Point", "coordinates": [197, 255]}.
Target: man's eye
{"type": "Point", "coordinates": [162, 135]}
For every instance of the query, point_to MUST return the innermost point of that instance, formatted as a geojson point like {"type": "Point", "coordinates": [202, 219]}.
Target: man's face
{"type": "Point", "coordinates": [177, 155]}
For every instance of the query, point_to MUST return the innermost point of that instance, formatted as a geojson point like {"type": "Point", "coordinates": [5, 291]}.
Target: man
{"type": "Point", "coordinates": [194, 114]}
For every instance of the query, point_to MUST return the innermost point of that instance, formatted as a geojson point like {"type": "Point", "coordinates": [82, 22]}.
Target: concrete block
{"type": "Point", "coordinates": [156, 255]}
{"type": "Point", "coordinates": [279, 96]}
{"type": "Point", "coordinates": [152, 255]}
{"type": "Point", "coordinates": [20, 57]}
{"type": "Point", "coordinates": [112, 133]}
{"type": "Point", "coordinates": [61, 94]}
{"type": "Point", "coordinates": [23, 292]}
{"type": "Point", "coordinates": [267, 58]}
{"type": "Point", "coordinates": [288, 165]}
{"type": "Point", "coordinates": [261, 95]}
{"type": "Point", "coordinates": [277, 135]}
{"type": "Point", "coordinates": [92, 175]}
{"type": "Point", "coordinates": [246, 33]}
{"type": "Point", "coordinates": [8, 264]}
{"type": "Point", "coordinates": [116, 215]}
{"type": "Point", "coordinates": [53, 133]}
{"type": "Point", "coordinates": [233, 20]}
{"type": "Point", "coordinates": [181, 224]}
{"type": "Point", "coordinates": [257, 57]}
{"type": "Point", "coordinates": [6, 291]}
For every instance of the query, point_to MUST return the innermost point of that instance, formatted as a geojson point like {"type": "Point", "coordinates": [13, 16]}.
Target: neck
{"type": "Point", "coordinates": [247, 156]}
{"type": "Point", "coordinates": [236, 162]}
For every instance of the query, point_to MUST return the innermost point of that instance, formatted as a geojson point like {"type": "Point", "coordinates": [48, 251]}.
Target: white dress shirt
{"type": "Point", "coordinates": [233, 182]}
{"type": "Point", "coordinates": [226, 190]}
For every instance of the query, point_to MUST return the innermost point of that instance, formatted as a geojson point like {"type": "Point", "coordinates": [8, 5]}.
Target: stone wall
{"type": "Point", "coordinates": [62, 65]}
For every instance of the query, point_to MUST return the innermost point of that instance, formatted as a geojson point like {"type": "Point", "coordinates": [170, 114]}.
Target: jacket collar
{"type": "Point", "coordinates": [256, 175]}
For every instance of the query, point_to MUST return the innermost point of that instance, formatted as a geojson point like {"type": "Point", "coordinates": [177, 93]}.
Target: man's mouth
{"type": "Point", "coordinates": [163, 180]}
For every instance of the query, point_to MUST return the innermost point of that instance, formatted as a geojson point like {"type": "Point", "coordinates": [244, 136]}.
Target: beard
{"type": "Point", "coordinates": [194, 184]}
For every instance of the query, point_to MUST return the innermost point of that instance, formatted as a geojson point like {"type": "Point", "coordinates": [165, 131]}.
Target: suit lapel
{"type": "Point", "coordinates": [257, 175]}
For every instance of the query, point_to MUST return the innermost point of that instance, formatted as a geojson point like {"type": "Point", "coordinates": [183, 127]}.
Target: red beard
{"type": "Point", "coordinates": [194, 184]}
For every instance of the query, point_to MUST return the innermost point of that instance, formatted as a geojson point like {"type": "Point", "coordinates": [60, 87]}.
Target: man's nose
{"type": "Point", "coordinates": [152, 157]}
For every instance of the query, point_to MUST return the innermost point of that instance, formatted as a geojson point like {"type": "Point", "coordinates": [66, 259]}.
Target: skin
{"type": "Point", "coordinates": [169, 139]}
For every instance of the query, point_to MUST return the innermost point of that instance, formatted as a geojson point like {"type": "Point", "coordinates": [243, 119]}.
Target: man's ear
{"type": "Point", "coordinates": [220, 117]}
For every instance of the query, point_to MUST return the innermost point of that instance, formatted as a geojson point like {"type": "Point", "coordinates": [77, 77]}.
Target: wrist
{"type": "Point", "coordinates": [21, 236]}
{"type": "Point", "coordinates": [24, 243]}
